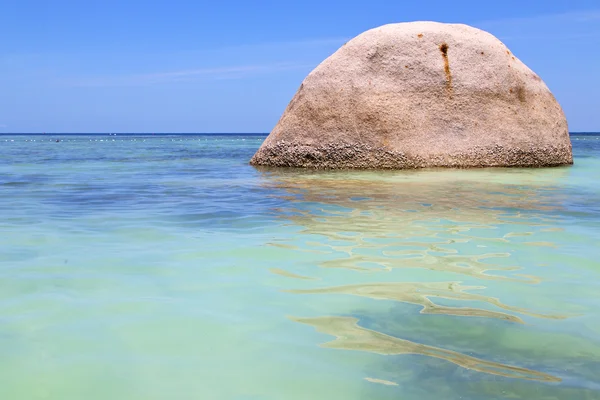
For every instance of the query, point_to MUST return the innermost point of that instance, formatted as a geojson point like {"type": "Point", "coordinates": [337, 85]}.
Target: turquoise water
{"type": "Point", "coordinates": [165, 267]}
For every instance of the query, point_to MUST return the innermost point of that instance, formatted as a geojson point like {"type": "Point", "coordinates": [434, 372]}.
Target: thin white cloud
{"type": "Point", "coordinates": [546, 36]}
{"type": "Point", "coordinates": [222, 72]}
{"type": "Point", "coordinates": [256, 58]}
{"type": "Point", "coordinates": [304, 43]}
{"type": "Point", "coordinates": [273, 46]}
{"type": "Point", "coordinates": [565, 26]}
{"type": "Point", "coordinates": [573, 16]}
{"type": "Point", "coordinates": [218, 73]}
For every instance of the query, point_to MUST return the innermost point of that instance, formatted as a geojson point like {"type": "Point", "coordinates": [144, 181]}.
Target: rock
{"type": "Point", "coordinates": [420, 94]}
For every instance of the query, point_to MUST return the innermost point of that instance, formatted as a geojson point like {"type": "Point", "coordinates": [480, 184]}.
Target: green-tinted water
{"type": "Point", "coordinates": [167, 268]}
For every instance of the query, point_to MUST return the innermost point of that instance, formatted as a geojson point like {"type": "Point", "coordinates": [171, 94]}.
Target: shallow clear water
{"type": "Point", "coordinates": [165, 267]}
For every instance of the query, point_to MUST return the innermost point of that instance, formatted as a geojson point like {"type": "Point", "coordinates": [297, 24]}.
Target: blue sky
{"type": "Point", "coordinates": [232, 66]}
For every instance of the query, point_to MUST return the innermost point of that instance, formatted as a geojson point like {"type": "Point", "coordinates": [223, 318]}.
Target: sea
{"type": "Point", "coordinates": [164, 267]}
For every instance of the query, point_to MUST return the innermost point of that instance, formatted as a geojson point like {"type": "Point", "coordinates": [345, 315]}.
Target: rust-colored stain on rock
{"type": "Point", "coordinates": [521, 94]}
{"type": "Point", "coordinates": [444, 49]}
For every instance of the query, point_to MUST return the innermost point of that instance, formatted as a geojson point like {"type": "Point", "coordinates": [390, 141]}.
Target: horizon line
{"type": "Point", "coordinates": [130, 133]}
{"type": "Point", "coordinates": [183, 133]}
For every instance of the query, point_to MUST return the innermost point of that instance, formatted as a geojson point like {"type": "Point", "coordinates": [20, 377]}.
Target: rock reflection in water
{"type": "Point", "coordinates": [377, 222]}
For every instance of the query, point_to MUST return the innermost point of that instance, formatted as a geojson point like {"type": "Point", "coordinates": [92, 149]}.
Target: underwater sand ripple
{"type": "Point", "coordinates": [350, 336]}
{"type": "Point", "coordinates": [288, 274]}
{"type": "Point", "coordinates": [420, 292]}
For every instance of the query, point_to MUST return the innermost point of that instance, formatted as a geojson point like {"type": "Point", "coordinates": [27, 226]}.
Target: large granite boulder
{"type": "Point", "coordinates": [420, 94]}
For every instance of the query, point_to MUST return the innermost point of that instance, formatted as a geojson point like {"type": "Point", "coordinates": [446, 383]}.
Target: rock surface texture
{"type": "Point", "coordinates": [416, 95]}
